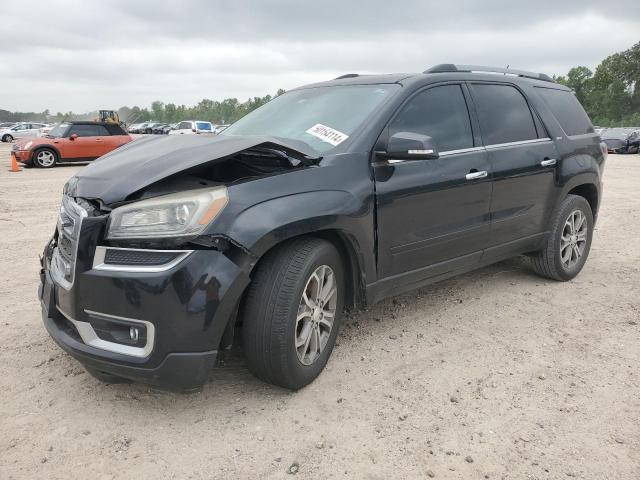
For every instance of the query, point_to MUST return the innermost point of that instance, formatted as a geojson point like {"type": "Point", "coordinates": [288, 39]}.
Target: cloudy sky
{"type": "Point", "coordinates": [81, 56]}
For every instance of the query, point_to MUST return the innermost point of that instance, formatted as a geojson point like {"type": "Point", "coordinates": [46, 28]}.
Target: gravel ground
{"type": "Point", "coordinates": [494, 374]}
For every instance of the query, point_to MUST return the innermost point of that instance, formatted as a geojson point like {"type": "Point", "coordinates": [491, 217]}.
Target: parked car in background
{"type": "Point", "coordinates": [4, 125]}
{"type": "Point", "coordinates": [158, 129]}
{"type": "Point", "coordinates": [141, 128]}
{"type": "Point", "coordinates": [70, 142]}
{"type": "Point", "coordinates": [168, 128]}
{"type": "Point", "coordinates": [192, 127]}
{"type": "Point", "coordinates": [46, 129]}
{"type": "Point", "coordinates": [148, 127]}
{"type": "Point", "coordinates": [134, 128]}
{"type": "Point", "coordinates": [621, 140]}
{"type": "Point", "coordinates": [334, 195]}
{"type": "Point", "coordinates": [20, 130]}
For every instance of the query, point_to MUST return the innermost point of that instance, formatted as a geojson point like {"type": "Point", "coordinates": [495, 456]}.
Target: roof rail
{"type": "Point", "coordinates": [347, 75]}
{"type": "Point", "coordinates": [450, 67]}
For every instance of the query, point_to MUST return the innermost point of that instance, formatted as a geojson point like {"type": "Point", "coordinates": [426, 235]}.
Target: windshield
{"type": "Point", "coordinates": [321, 117]}
{"type": "Point", "coordinates": [59, 130]}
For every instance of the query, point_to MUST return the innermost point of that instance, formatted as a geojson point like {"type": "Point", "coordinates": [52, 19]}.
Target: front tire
{"type": "Point", "coordinates": [567, 247]}
{"type": "Point", "coordinates": [45, 158]}
{"type": "Point", "coordinates": [7, 138]}
{"type": "Point", "coordinates": [292, 312]}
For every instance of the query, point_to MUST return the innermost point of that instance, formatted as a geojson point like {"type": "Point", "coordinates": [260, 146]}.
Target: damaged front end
{"type": "Point", "coordinates": [142, 279]}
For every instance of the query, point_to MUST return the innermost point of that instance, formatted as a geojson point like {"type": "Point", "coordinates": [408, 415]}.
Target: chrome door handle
{"type": "Point", "coordinates": [549, 162]}
{"type": "Point", "coordinates": [476, 175]}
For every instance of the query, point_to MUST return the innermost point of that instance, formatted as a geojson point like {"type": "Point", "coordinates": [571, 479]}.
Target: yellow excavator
{"type": "Point", "coordinates": [108, 116]}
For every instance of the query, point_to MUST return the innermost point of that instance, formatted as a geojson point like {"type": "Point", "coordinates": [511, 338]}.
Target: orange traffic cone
{"type": "Point", "coordinates": [14, 164]}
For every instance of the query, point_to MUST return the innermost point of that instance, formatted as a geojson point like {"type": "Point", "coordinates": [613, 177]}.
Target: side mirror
{"type": "Point", "coordinates": [411, 146]}
{"type": "Point", "coordinates": [73, 136]}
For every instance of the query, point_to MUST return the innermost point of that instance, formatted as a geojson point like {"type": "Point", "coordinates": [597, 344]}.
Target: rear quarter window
{"type": "Point", "coordinates": [114, 129]}
{"type": "Point", "coordinates": [567, 109]}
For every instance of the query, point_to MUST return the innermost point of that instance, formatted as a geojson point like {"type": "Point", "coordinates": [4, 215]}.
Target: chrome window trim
{"type": "Point", "coordinates": [98, 261]}
{"type": "Point", "coordinates": [90, 337]}
{"type": "Point", "coordinates": [515, 144]}
{"type": "Point", "coordinates": [461, 150]}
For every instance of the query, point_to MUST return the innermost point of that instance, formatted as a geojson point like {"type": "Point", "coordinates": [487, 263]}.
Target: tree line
{"type": "Point", "coordinates": [610, 95]}
{"type": "Point", "coordinates": [217, 112]}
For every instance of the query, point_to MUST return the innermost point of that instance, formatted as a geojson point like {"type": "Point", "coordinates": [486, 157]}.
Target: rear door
{"type": "Point", "coordinates": [523, 160]}
{"type": "Point", "coordinates": [88, 145]}
{"type": "Point", "coordinates": [431, 218]}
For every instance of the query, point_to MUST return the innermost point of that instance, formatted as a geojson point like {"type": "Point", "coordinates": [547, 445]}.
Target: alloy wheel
{"type": "Point", "coordinates": [316, 314]}
{"type": "Point", "coordinates": [45, 158]}
{"type": "Point", "coordinates": [574, 238]}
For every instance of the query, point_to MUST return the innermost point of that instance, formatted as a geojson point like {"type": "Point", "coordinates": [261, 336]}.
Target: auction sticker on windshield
{"type": "Point", "coordinates": [327, 134]}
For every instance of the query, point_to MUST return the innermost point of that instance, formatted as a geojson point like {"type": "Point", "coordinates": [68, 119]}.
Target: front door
{"type": "Point", "coordinates": [88, 144]}
{"type": "Point", "coordinates": [433, 215]}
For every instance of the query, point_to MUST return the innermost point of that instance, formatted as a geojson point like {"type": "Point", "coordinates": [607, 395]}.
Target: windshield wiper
{"type": "Point", "coordinates": [304, 160]}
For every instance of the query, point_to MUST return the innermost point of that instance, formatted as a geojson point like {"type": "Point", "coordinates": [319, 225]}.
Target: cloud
{"type": "Point", "coordinates": [83, 56]}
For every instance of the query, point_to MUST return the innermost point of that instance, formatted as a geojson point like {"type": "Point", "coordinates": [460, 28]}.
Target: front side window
{"type": "Point", "coordinates": [59, 130]}
{"type": "Point", "coordinates": [320, 117]}
{"type": "Point", "coordinates": [504, 114]}
{"type": "Point", "coordinates": [439, 112]}
{"type": "Point", "coordinates": [185, 126]}
{"type": "Point", "coordinates": [89, 131]}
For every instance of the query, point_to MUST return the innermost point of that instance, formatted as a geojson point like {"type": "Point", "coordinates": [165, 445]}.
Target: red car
{"type": "Point", "coordinates": [70, 142]}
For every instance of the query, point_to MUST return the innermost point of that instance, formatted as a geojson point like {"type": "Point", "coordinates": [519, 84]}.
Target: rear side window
{"type": "Point", "coordinates": [567, 109]}
{"type": "Point", "coordinates": [504, 114]}
{"type": "Point", "coordinates": [439, 112]}
{"type": "Point", "coordinates": [89, 130]}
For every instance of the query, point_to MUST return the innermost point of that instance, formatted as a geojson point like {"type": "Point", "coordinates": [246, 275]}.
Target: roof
{"type": "Point", "coordinates": [87, 122]}
{"type": "Point", "coordinates": [444, 72]}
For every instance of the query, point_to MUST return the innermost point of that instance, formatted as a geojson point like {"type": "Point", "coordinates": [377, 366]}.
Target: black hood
{"type": "Point", "coordinates": [143, 162]}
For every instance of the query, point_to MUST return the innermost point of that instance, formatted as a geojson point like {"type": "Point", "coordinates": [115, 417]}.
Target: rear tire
{"type": "Point", "coordinates": [567, 247]}
{"type": "Point", "coordinates": [44, 158]}
{"type": "Point", "coordinates": [291, 314]}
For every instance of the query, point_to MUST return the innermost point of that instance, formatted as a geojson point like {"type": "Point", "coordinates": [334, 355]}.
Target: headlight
{"type": "Point", "coordinates": [27, 145]}
{"type": "Point", "coordinates": [176, 215]}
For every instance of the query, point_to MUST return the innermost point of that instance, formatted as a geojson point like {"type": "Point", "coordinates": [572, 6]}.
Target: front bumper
{"type": "Point", "coordinates": [187, 308]}
{"type": "Point", "coordinates": [23, 156]}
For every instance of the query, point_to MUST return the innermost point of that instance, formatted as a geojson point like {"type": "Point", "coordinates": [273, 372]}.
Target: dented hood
{"type": "Point", "coordinates": [143, 162]}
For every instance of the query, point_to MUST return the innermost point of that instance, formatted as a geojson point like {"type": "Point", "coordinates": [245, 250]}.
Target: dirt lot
{"type": "Point", "coordinates": [495, 374]}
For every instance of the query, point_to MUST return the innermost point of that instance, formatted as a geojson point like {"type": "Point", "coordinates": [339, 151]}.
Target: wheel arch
{"type": "Point", "coordinates": [350, 254]}
{"type": "Point", "coordinates": [348, 250]}
{"type": "Point", "coordinates": [590, 193]}
{"type": "Point", "coordinates": [46, 147]}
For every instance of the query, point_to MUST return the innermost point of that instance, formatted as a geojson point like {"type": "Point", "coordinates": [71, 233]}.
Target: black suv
{"type": "Point", "coordinates": [331, 196]}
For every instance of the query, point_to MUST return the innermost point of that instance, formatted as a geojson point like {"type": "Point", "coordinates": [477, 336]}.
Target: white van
{"type": "Point", "coordinates": [191, 127]}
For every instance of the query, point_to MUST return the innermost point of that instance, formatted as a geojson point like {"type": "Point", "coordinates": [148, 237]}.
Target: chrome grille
{"type": "Point", "coordinates": [64, 254]}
